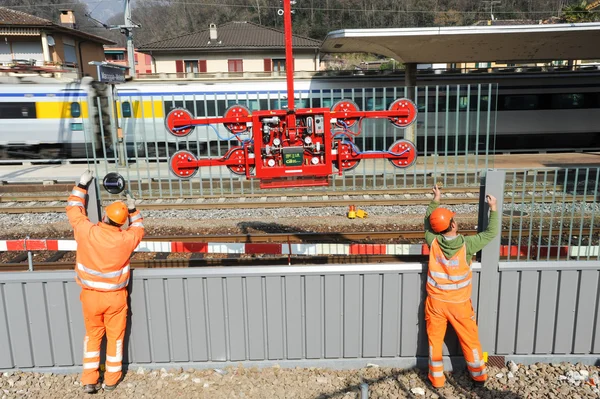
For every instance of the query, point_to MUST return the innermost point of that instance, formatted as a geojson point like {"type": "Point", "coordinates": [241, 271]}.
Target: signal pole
{"type": "Point", "coordinates": [491, 3]}
{"type": "Point", "coordinates": [127, 29]}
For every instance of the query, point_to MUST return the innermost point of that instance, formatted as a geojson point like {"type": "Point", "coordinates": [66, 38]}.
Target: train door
{"type": "Point", "coordinates": [130, 121]}
{"type": "Point", "coordinates": [71, 129]}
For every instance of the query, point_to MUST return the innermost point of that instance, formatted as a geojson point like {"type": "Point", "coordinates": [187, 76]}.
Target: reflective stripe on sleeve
{"type": "Point", "coordinates": [92, 365]}
{"type": "Point", "coordinates": [136, 217]}
{"type": "Point", "coordinates": [448, 277]}
{"type": "Point", "coordinates": [103, 286]}
{"type": "Point", "coordinates": [448, 287]}
{"type": "Point", "coordinates": [113, 369]}
{"type": "Point", "coordinates": [78, 194]}
{"type": "Point", "coordinates": [118, 273]}
{"type": "Point", "coordinates": [136, 224]}
{"type": "Point", "coordinates": [75, 203]}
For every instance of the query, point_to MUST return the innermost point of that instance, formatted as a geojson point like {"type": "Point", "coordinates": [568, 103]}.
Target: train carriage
{"type": "Point", "coordinates": [47, 118]}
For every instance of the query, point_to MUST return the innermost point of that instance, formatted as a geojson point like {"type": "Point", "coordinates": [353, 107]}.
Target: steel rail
{"type": "Point", "coordinates": [328, 202]}
{"type": "Point", "coordinates": [14, 197]}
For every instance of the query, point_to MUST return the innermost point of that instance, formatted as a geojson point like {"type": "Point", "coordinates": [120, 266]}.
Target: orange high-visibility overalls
{"type": "Point", "coordinates": [103, 253]}
{"type": "Point", "coordinates": [449, 300]}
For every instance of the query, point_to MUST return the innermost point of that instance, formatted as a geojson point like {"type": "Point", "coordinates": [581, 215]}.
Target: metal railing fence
{"type": "Point", "coordinates": [454, 134]}
{"type": "Point", "coordinates": [550, 214]}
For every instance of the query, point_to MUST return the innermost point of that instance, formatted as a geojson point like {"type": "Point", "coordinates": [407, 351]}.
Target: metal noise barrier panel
{"type": "Point", "coordinates": [346, 314]}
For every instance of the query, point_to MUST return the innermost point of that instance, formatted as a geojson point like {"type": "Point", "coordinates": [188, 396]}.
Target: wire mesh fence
{"type": "Point", "coordinates": [550, 214]}
{"type": "Point", "coordinates": [454, 135]}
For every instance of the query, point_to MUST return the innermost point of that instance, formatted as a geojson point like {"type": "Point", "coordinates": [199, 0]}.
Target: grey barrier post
{"type": "Point", "coordinates": [487, 312]}
{"type": "Point", "coordinates": [92, 206]}
{"type": "Point", "coordinates": [29, 257]}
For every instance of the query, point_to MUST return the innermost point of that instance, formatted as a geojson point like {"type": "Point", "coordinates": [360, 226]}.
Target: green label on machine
{"type": "Point", "coordinates": [293, 156]}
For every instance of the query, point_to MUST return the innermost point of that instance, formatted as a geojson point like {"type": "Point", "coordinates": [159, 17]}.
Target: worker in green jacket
{"type": "Point", "coordinates": [449, 287]}
{"type": "Point", "coordinates": [450, 243]}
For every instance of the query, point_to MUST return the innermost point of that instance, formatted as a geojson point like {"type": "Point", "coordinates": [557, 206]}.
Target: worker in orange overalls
{"type": "Point", "coordinates": [449, 287]}
{"type": "Point", "coordinates": [103, 252]}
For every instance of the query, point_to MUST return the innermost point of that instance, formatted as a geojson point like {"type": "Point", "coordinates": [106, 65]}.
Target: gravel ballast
{"type": "Point", "coordinates": [280, 220]}
{"type": "Point", "coordinates": [534, 381]}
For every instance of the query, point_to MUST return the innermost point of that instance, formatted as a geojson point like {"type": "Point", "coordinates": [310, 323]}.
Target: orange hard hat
{"type": "Point", "coordinates": [117, 212]}
{"type": "Point", "coordinates": [440, 219]}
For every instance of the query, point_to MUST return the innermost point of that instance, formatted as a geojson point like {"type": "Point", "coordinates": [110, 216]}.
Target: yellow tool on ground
{"type": "Point", "coordinates": [353, 213]}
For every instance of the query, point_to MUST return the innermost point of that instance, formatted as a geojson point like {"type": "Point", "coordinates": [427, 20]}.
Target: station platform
{"type": "Point", "coordinates": [65, 172]}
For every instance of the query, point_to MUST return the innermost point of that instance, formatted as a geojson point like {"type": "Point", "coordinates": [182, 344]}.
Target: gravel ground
{"type": "Point", "coordinates": [535, 381]}
{"type": "Point", "coordinates": [234, 221]}
{"type": "Point", "coordinates": [277, 220]}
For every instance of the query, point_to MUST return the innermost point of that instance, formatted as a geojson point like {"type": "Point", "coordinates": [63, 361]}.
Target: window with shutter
{"type": "Point", "coordinates": [202, 65]}
{"type": "Point", "coordinates": [179, 66]}
{"type": "Point", "coordinates": [279, 65]}
{"type": "Point", "coordinates": [191, 66]}
{"type": "Point", "coordinates": [235, 65]}
{"type": "Point", "coordinates": [268, 65]}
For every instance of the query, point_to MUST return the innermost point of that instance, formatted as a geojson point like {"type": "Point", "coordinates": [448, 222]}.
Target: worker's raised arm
{"type": "Point", "coordinates": [136, 223]}
{"type": "Point", "coordinates": [76, 205]}
{"type": "Point", "coordinates": [429, 233]}
{"type": "Point", "coordinates": [478, 241]}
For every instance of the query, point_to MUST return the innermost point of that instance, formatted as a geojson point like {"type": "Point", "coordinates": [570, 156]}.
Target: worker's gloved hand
{"type": "Point", "coordinates": [130, 202]}
{"type": "Point", "coordinates": [437, 193]}
{"type": "Point", "coordinates": [86, 178]}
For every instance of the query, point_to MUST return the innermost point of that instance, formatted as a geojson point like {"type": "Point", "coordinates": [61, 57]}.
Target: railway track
{"type": "Point", "coordinates": [12, 205]}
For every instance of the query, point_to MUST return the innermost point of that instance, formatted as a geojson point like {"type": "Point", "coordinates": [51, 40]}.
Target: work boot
{"type": "Point", "coordinates": [91, 388]}
{"type": "Point", "coordinates": [478, 384]}
{"type": "Point", "coordinates": [109, 388]}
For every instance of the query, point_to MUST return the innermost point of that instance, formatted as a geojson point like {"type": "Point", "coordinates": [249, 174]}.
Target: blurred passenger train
{"type": "Point", "coordinates": [47, 118]}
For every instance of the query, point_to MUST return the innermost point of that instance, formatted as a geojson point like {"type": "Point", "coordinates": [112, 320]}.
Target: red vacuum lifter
{"type": "Point", "coordinates": [293, 147]}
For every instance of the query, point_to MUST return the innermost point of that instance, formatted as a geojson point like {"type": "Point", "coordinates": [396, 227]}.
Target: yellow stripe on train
{"type": "Point", "coordinates": [58, 109]}
{"type": "Point", "coordinates": [150, 109]}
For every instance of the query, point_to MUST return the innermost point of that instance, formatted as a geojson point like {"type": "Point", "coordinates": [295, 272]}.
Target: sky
{"type": "Point", "coordinates": [104, 9]}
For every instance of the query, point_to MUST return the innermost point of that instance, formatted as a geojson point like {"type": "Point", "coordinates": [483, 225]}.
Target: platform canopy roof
{"type": "Point", "coordinates": [472, 43]}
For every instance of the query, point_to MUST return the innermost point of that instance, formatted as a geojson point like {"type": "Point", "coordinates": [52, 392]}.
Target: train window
{"type": "Point", "coordinates": [221, 108]}
{"type": "Point", "coordinates": [17, 110]}
{"type": "Point", "coordinates": [519, 102]}
{"type": "Point", "coordinates": [169, 105]}
{"type": "Point", "coordinates": [126, 109]}
{"type": "Point", "coordinates": [568, 101]}
{"type": "Point", "coordinates": [253, 104]}
{"type": "Point", "coordinates": [315, 102]}
{"type": "Point", "coordinates": [278, 104]}
{"type": "Point", "coordinates": [211, 107]}
{"type": "Point", "coordinates": [75, 110]}
{"type": "Point", "coordinates": [199, 110]}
